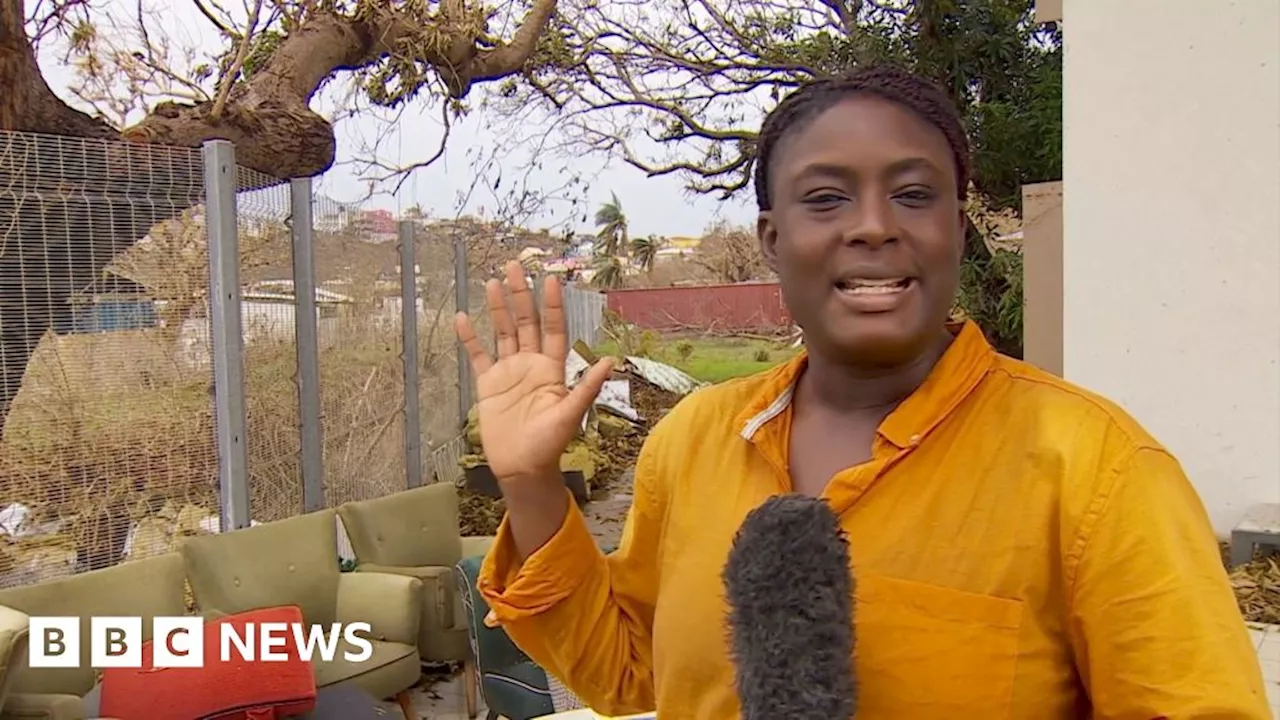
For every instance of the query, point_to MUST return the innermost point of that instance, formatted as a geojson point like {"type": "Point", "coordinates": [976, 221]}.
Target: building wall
{"type": "Point", "coordinates": [1042, 275]}
{"type": "Point", "coordinates": [1171, 302]}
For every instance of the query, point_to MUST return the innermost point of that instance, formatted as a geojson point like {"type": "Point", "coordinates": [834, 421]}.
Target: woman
{"type": "Point", "coordinates": [1022, 548]}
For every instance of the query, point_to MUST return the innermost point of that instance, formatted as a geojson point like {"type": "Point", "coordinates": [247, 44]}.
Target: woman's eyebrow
{"type": "Point", "coordinates": [909, 164]}
{"type": "Point", "coordinates": [841, 171]}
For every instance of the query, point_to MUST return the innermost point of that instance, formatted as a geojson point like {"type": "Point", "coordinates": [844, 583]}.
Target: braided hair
{"type": "Point", "coordinates": [896, 85]}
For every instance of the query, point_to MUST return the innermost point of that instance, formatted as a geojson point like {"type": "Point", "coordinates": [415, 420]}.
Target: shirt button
{"type": "Point", "coordinates": [915, 439]}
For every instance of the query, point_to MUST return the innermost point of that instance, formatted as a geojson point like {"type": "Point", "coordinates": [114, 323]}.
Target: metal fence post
{"type": "Point", "coordinates": [462, 301]}
{"type": "Point", "coordinates": [228, 338]}
{"type": "Point", "coordinates": [307, 336]}
{"type": "Point", "coordinates": [409, 351]}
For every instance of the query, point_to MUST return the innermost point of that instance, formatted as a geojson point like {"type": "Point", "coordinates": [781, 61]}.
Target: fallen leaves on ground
{"type": "Point", "coordinates": [478, 515]}
{"type": "Point", "coordinates": [1257, 588]}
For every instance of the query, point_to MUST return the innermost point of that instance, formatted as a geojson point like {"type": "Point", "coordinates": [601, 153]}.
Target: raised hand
{"type": "Point", "coordinates": [527, 416]}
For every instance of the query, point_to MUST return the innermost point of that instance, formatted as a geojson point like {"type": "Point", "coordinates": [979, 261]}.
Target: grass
{"type": "Point", "coordinates": [711, 359]}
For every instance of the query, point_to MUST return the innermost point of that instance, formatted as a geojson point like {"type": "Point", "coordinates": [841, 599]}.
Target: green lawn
{"type": "Point", "coordinates": [712, 359]}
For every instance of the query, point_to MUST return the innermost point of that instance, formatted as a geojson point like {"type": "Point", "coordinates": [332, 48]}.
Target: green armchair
{"type": "Point", "coordinates": [294, 562]}
{"type": "Point", "coordinates": [415, 533]}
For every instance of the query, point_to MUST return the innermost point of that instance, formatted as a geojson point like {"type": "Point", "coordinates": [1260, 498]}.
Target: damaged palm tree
{"type": "Point", "coordinates": [62, 222]}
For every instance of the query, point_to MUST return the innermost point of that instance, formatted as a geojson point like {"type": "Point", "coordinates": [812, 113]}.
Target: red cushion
{"type": "Point", "coordinates": [234, 690]}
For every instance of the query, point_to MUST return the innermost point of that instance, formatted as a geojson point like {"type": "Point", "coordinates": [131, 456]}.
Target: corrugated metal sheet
{"type": "Point", "coordinates": [741, 307]}
{"type": "Point", "coordinates": [664, 376]}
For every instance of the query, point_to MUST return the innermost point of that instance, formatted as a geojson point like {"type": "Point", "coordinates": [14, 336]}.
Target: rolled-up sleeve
{"type": "Point", "coordinates": [585, 617]}
{"type": "Point", "coordinates": [1154, 622]}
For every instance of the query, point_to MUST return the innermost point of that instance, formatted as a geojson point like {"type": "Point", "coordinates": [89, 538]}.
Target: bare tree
{"type": "Point", "coordinates": [730, 254]}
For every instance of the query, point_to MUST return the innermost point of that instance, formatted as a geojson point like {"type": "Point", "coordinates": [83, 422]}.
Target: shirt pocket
{"type": "Point", "coordinates": [924, 651]}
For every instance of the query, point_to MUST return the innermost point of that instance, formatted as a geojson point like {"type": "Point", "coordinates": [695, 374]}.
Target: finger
{"type": "Point", "coordinates": [555, 336]}
{"type": "Point", "coordinates": [480, 360]}
{"type": "Point", "coordinates": [503, 325]}
{"type": "Point", "coordinates": [525, 308]}
{"type": "Point", "coordinates": [584, 393]}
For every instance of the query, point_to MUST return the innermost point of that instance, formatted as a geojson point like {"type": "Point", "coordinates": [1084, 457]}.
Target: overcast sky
{"type": "Point", "coordinates": [653, 205]}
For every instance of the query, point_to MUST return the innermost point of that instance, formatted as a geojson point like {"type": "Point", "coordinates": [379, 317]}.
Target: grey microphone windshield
{"type": "Point", "coordinates": [789, 585]}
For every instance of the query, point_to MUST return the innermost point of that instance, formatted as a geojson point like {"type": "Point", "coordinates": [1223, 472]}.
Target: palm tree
{"type": "Point", "coordinates": [608, 272]}
{"type": "Point", "coordinates": [611, 224]}
{"type": "Point", "coordinates": [645, 251]}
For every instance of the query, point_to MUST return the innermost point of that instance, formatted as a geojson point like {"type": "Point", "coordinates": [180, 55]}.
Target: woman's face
{"type": "Point", "coordinates": [866, 231]}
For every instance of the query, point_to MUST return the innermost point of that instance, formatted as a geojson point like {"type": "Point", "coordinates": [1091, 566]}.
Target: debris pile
{"type": "Point", "coordinates": [638, 394]}
{"type": "Point", "coordinates": [33, 551]}
{"type": "Point", "coordinates": [1257, 586]}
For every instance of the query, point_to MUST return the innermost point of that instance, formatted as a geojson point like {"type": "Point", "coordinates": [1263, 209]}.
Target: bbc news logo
{"type": "Point", "coordinates": [179, 642]}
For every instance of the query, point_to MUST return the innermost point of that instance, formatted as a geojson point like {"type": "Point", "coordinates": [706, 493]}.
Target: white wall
{"type": "Point", "coordinates": [1172, 230]}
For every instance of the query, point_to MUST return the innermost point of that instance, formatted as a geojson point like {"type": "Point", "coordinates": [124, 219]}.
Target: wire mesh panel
{"type": "Point", "coordinates": [108, 447]}
{"type": "Point", "coordinates": [480, 249]}
{"type": "Point", "coordinates": [361, 369]}
{"type": "Point", "coordinates": [267, 316]}
{"type": "Point", "coordinates": [437, 356]}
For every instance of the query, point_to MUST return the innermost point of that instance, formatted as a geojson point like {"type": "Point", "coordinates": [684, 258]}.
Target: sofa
{"type": "Point", "coordinates": [145, 588]}
{"type": "Point", "coordinates": [294, 562]}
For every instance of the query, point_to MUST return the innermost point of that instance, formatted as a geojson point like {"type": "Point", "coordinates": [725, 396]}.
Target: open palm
{"type": "Point", "coordinates": [526, 414]}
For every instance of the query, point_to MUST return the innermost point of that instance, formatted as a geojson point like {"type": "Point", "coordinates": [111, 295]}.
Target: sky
{"type": "Point", "coordinates": [449, 187]}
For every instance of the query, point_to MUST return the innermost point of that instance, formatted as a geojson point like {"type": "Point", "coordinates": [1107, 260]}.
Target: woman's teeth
{"type": "Point", "coordinates": [873, 287]}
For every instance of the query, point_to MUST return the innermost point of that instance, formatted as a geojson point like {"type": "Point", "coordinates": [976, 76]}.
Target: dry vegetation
{"type": "Point", "coordinates": [111, 428]}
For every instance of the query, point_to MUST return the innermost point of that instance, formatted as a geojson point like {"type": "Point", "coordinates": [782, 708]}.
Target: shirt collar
{"type": "Point", "coordinates": [956, 374]}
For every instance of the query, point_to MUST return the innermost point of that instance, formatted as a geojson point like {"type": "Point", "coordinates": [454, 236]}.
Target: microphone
{"type": "Point", "coordinates": [789, 586]}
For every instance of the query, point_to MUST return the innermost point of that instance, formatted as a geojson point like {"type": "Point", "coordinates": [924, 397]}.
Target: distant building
{"type": "Point", "coordinates": [376, 225]}
{"type": "Point", "coordinates": [678, 247]}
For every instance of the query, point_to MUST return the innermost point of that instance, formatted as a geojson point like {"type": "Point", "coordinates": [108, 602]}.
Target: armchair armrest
{"type": "Point", "coordinates": [31, 706]}
{"type": "Point", "coordinates": [391, 604]}
{"type": "Point", "coordinates": [477, 545]}
{"type": "Point", "coordinates": [14, 627]}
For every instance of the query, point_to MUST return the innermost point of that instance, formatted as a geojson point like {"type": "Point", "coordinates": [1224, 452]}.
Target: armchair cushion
{"type": "Point", "coordinates": [235, 690]}
{"type": "Point", "coordinates": [389, 603]}
{"type": "Point", "coordinates": [392, 667]}
{"type": "Point", "coordinates": [287, 562]}
{"type": "Point", "coordinates": [412, 528]}
{"type": "Point", "coordinates": [477, 545]}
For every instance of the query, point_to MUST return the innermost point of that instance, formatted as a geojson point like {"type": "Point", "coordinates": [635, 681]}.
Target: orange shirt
{"type": "Point", "coordinates": [1021, 549]}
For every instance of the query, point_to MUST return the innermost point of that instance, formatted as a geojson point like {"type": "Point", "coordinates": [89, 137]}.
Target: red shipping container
{"type": "Point", "coordinates": [749, 307]}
